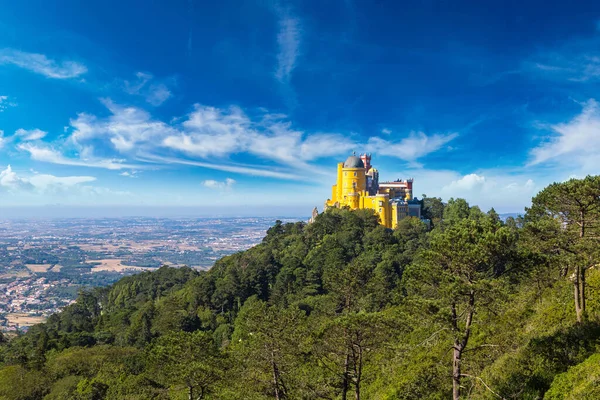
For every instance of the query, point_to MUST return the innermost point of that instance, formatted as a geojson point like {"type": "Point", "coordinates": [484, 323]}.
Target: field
{"type": "Point", "coordinates": [23, 319]}
{"type": "Point", "coordinates": [113, 265]}
{"type": "Point", "coordinates": [38, 267]}
{"type": "Point", "coordinates": [12, 274]}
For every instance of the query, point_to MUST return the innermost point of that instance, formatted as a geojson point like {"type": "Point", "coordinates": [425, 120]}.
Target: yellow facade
{"type": "Point", "coordinates": [350, 190]}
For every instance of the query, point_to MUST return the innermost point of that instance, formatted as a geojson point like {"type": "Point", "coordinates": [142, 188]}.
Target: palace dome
{"type": "Point", "coordinates": [354, 162]}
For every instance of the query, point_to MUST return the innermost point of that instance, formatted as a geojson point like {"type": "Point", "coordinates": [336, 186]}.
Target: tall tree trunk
{"type": "Point", "coordinates": [461, 344]}
{"type": "Point", "coordinates": [346, 377]}
{"type": "Point", "coordinates": [190, 393]}
{"type": "Point", "coordinates": [358, 374]}
{"type": "Point", "coordinates": [275, 377]}
{"type": "Point", "coordinates": [577, 294]}
{"type": "Point", "coordinates": [582, 290]}
{"type": "Point", "coordinates": [581, 270]}
{"type": "Point", "coordinates": [456, 354]}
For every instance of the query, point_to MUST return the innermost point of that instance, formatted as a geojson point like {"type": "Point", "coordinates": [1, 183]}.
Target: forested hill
{"type": "Point", "coordinates": [344, 308]}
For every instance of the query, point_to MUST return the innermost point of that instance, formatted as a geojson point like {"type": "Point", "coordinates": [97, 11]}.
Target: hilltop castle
{"type": "Point", "coordinates": [358, 187]}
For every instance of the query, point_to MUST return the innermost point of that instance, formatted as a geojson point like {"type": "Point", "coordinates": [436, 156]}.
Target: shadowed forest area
{"type": "Point", "coordinates": [343, 308]}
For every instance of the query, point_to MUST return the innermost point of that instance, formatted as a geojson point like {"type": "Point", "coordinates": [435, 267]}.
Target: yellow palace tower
{"type": "Point", "coordinates": [358, 187]}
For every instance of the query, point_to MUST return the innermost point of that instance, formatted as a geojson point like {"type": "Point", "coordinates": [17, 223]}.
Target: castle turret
{"type": "Point", "coordinates": [366, 159]}
{"type": "Point", "coordinates": [354, 181]}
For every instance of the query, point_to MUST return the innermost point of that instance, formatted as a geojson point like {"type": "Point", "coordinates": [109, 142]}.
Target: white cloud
{"type": "Point", "coordinates": [40, 64]}
{"type": "Point", "coordinates": [158, 94]}
{"type": "Point", "coordinates": [238, 169]}
{"type": "Point", "coordinates": [43, 183]}
{"type": "Point", "coordinates": [211, 137]}
{"type": "Point", "coordinates": [5, 103]}
{"type": "Point", "coordinates": [583, 68]}
{"type": "Point", "coordinates": [325, 145]}
{"type": "Point", "coordinates": [576, 60]}
{"type": "Point", "coordinates": [154, 93]}
{"type": "Point", "coordinates": [10, 181]}
{"type": "Point", "coordinates": [130, 174]}
{"type": "Point", "coordinates": [386, 131]}
{"type": "Point", "coordinates": [227, 184]}
{"type": "Point", "coordinates": [214, 132]}
{"type": "Point", "coordinates": [575, 143]}
{"type": "Point", "coordinates": [125, 128]}
{"type": "Point", "coordinates": [49, 155]}
{"type": "Point", "coordinates": [411, 148]}
{"type": "Point", "coordinates": [2, 139]}
{"type": "Point", "coordinates": [288, 40]}
{"type": "Point", "coordinates": [467, 182]}
{"type": "Point", "coordinates": [504, 192]}
{"type": "Point", "coordinates": [29, 135]}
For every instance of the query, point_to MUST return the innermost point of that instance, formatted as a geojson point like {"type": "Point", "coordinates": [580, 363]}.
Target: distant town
{"type": "Point", "coordinates": [45, 262]}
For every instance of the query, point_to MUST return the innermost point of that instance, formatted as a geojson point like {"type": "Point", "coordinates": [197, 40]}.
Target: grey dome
{"type": "Point", "coordinates": [354, 162]}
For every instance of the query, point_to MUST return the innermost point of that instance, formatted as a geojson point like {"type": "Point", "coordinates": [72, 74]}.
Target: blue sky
{"type": "Point", "coordinates": [237, 105]}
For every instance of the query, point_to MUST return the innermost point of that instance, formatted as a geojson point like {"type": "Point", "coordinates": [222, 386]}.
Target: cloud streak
{"type": "Point", "coordinates": [211, 137]}
{"type": "Point", "coordinates": [30, 135]}
{"type": "Point", "coordinates": [288, 41]}
{"type": "Point", "coordinates": [575, 143]}
{"type": "Point", "coordinates": [42, 65]}
{"type": "Point", "coordinates": [49, 155]}
{"type": "Point", "coordinates": [411, 148]}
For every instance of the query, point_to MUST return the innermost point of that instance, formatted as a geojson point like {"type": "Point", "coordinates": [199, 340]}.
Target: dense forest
{"type": "Point", "coordinates": [343, 308]}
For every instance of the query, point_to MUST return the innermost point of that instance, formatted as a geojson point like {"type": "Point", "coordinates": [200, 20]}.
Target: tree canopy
{"type": "Point", "coordinates": [469, 306]}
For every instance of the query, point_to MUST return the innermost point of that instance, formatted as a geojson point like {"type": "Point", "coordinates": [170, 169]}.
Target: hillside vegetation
{"type": "Point", "coordinates": [343, 308]}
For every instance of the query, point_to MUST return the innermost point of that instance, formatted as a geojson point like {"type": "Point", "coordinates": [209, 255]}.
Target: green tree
{"type": "Point", "coordinates": [345, 346]}
{"type": "Point", "coordinates": [456, 210]}
{"type": "Point", "coordinates": [433, 209]}
{"type": "Point", "coordinates": [267, 343]}
{"type": "Point", "coordinates": [457, 273]}
{"type": "Point", "coordinates": [191, 360]}
{"type": "Point", "coordinates": [565, 218]}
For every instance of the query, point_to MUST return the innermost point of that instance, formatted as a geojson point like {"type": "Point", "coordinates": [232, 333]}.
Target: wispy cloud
{"type": "Point", "coordinates": [225, 185]}
{"type": "Point", "coordinates": [576, 142]}
{"type": "Point", "coordinates": [5, 103]}
{"type": "Point", "coordinates": [575, 60]}
{"type": "Point", "coordinates": [155, 93]}
{"type": "Point", "coordinates": [214, 138]}
{"type": "Point", "coordinates": [207, 132]}
{"type": "Point", "coordinates": [11, 181]}
{"type": "Point", "coordinates": [411, 148]}
{"type": "Point", "coordinates": [40, 64]}
{"type": "Point", "coordinates": [30, 135]}
{"type": "Point", "coordinates": [244, 170]}
{"type": "Point", "coordinates": [288, 40]}
{"type": "Point", "coordinates": [130, 174]}
{"type": "Point", "coordinates": [53, 156]}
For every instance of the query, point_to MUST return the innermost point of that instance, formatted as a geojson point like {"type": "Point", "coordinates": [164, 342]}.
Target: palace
{"type": "Point", "coordinates": [358, 187]}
